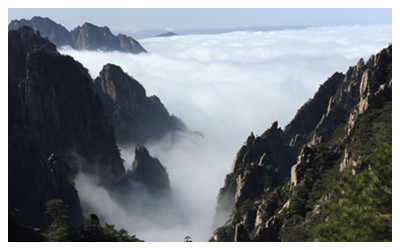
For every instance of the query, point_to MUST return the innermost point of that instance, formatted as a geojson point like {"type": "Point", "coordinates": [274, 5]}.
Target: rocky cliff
{"type": "Point", "coordinates": [134, 116]}
{"type": "Point", "coordinates": [85, 37]}
{"type": "Point", "coordinates": [57, 127]}
{"type": "Point", "coordinates": [92, 37]}
{"type": "Point", "coordinates": [149, 171]}
{"type": "Point", "coordinates": [285, 185]}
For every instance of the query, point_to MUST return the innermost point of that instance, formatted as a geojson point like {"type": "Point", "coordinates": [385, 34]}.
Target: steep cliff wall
{"type": "Point", "coordinates": [134, 116]}
{"type": "Point", "coordinates": [333, 141]}
{"type": "Point", "coordinates": [56, 126]}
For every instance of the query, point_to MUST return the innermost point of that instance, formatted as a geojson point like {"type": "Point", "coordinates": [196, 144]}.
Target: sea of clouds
{"type": "Point", "coordinates": [224, 86]}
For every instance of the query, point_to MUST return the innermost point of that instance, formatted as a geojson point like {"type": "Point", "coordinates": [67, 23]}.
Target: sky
{"type": "Point", "coordinates": [183, 20]}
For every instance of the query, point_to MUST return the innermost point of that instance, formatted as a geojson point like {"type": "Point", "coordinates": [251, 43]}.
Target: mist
{"type": "Point", "coordinates": [224, 86]}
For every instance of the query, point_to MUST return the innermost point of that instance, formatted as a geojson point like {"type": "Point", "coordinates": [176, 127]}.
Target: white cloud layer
{"type": "Point", "coordinates": [226, 86]}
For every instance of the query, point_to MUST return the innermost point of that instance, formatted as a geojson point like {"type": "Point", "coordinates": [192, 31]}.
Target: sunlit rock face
{"type": "Point", "coordinates": [263, 200]}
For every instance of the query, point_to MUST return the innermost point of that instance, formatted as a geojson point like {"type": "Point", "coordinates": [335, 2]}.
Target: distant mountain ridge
{"type": "Point", "coordinates": [167, 34]}
{"type": "Point", "coordinates": [85, 37]}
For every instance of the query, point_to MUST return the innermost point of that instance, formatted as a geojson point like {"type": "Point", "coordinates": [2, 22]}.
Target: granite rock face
{"type": "Point", "coordinates": [85, 37]}
{"type": "Point", "coordinates": [134, 116]}
{"type": "Point", "coordinates": [129, 45]}
{"type": "Point", "coordinates": [57, 127]}
{"type": "Point", "coordinates": [274, 178]}
{"type": "Point", "coordinates": [260, 165]}
{"type": "Point", "coordinates": [149, 171]}
{"type": "Point", "coordinates": [91, 37]}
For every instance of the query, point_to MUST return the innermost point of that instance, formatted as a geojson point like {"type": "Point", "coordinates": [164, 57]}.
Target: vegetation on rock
{"type": "Point", "coordinates": [340, 188]}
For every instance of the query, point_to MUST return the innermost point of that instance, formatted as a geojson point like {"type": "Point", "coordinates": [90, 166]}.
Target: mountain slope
{"type": "Point", "coordinates": [57, 127]}
{"type": "Point", "coordinates": [336, 141]}
{"type": "Point", "coordinates": [134, 116]}
{"type": "Point", "coordinates": [85, 37]}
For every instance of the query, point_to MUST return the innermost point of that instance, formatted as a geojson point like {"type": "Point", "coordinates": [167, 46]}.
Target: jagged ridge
{"type": "Point", "coordinates": [324, 135]}
{"type": "Point", "coordinates": [135, 117]}
{"type": "Point", "coordinates": [85, 37]}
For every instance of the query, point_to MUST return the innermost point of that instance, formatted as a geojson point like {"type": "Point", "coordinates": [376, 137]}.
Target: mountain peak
{"type": "Point", "coordinates": [85, 37]}
{"type": "Point", "coordinates": [134, 116]}
{"type": "Point", "coordinates": [112, 67]}
{"type": "Point", "coordinates": [149, 171]}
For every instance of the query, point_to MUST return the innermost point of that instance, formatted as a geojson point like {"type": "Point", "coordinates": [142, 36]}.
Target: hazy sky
{"type": "Point", "coordinates": [134, 20]}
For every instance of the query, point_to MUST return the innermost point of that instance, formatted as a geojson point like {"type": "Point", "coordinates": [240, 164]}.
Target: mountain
{"type": "Point", "coordinates": [327, 175]}
{"type": "Point", "coordinates": [57, 128]}
{"type": "Point", "coordinates": [52, 95]}
{"type": "Point", "coordinates": [166, 34]}
{"type": "Point", "coordinates": [135, 117]}
{"type": "Point", "coordinates": [91, 37]}
{"type": "Point", "coordinates": [55, 32]}
{"type": "Point", "coordinates": [85, 37]}
{"type": "Point", "coordinates": [149, 171]}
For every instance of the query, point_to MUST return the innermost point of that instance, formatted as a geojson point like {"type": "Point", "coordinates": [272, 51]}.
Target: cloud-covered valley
{"type": "Point", "coordinates": [224, 86]}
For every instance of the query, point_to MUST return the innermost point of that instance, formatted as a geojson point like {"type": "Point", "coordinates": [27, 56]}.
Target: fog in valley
{"type": "Point", "coordinates": [223, 86]}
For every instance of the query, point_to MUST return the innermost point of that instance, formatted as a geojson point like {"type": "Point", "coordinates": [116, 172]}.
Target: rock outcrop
{"type": "Point", "coordinates": [91, 37]}
{"type": "Point", "coordinates": [260, 165]}
{"type": "Point", "coordinates": [85, 37]}
{"type": "Point", "coordinates": [149, 171]}
{"type": "Point", "coordinates": [129, 45]}
{"type": "Point", "coordinates": [134, 116]}
{"type": "Point", "coordinates": [281, 179]}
